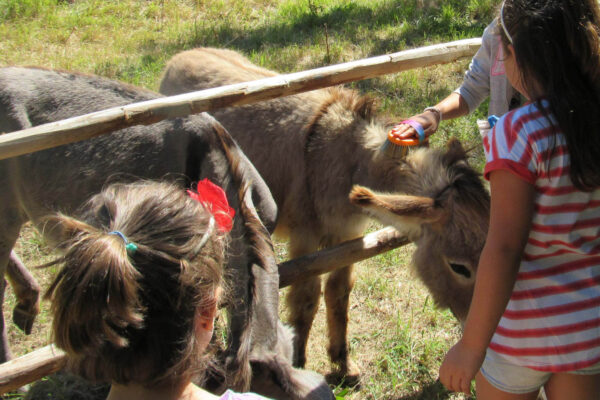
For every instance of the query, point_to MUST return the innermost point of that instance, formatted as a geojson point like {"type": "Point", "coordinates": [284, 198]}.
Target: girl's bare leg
{"type": "Point", "coordinates": [573, 386]}
{"type": "Point", "coordinates": [485, 391]}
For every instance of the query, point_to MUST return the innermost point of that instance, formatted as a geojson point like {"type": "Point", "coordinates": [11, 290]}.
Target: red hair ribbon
{"type": "Point", "coordinates": [215, 201]}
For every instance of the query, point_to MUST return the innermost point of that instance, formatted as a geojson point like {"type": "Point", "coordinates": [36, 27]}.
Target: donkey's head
{"type": "Point", "coordinates": [445, 214]}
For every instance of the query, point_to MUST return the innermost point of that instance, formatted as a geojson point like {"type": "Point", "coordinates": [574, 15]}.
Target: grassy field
{"type": "Point", "coordinates": [398, 338]}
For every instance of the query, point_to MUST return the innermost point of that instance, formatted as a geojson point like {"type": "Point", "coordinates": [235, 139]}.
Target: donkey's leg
{"type": "Point", "coordinates": [27, 291]}
{"type": "Point", "coordinates": [337, 293]}
{"type": "Point", "coordinates": [303, 302]}
{"type": "Point", "coordinates": [302, 299]}
{"type": "Point", "coordinates": [5, 353]}
{"type": "Point", "coordinates": [8, 237]}
{"type": "Point", "coordinates": [5, 250]}
{"type": "Point", "coordinates": [13, 117]}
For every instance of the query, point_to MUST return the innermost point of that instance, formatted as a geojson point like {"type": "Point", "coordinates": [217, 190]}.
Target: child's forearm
{"type": "Point", "coordinates": [453, 106]}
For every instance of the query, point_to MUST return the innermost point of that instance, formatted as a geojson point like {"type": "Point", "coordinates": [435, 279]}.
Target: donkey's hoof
{"type": "Point", "coordinates": [349, 377]}
{"type": "Point", "coordinates": [24, 316]}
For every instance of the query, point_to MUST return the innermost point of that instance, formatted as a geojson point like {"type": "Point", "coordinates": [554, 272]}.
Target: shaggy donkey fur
{"type": "Point", "coordinates": [312, 149]}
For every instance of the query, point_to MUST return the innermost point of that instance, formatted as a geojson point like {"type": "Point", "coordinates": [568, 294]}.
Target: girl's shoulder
{"type": "Point", "coordinates": [530, 119]}
{"type": "Point", "coordinates": [519, 134]}
{"type": "Point", "coordinates": [527, 110]}
{"type": "Point", "coordinates": [231, 395]}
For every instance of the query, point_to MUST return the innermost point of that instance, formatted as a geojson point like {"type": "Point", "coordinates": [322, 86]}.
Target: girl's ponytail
{"type": "Point", "coordinates": [95, 296]}
{"type": "Point", "coordinates": [134, 275]}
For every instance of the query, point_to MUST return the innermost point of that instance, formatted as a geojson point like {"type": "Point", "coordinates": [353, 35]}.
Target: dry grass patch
{"type": "Point", "coordinates": [397, 337]}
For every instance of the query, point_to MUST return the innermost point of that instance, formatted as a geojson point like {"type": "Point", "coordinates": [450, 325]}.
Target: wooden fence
{"type": "Point", "coordinates": [148, 112]}
{"type": "Point", "coordinates": [44, 361]}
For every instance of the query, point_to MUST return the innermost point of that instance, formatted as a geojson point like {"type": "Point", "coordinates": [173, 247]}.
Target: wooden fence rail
{"type": "Point", "coordinates": [340, 255]}
{"type": "Point", "coordinates": [145, 113]}
{"type": "Point", "coordinates": [30, 367]}
{"type": "Point", "coordinates": [47, 360]}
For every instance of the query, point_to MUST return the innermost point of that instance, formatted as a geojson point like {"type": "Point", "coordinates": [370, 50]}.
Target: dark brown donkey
{"type": "Point", "coordinates": [182, 150]}
{"type": "Point", "coordinates": [312, 149]}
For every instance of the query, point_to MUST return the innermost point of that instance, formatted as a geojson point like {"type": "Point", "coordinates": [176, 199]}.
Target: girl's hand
{"type": "Point", "coordinates": [460, 366]}
{"type": "Point", "coordinates": [428, 120]}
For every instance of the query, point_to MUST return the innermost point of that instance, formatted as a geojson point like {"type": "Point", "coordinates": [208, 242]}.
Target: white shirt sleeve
{"type": "Point", "coordinates": [476, 84]}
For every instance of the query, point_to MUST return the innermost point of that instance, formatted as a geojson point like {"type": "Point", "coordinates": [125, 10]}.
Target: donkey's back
{"type": "Point", "coordinates": [65, 176]}
{"type": "Point", "coordinates": [225, 66]}
{"type": "Point", "coordinates": [272, 133]}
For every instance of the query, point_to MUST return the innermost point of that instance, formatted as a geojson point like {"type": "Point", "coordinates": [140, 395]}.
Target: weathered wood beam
{"type": "Point", "coordinates": [340, 255]}
{"type": "Point", "coordinates": [30, 367]}
{"type": "Point", "coordinates": [145, 113]}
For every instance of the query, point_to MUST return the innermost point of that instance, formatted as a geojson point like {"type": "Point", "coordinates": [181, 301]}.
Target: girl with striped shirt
{"type": "Point", "coordinates": [535, 315]}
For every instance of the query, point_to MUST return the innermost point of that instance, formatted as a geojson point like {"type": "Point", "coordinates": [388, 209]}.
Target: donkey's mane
{"type": "Point", "coordinates": [466, 180]}
{"type": "Point", "coordinates": [446, 176]}
{"type": "Point", "coordinates": [362, 106]}
{"type": "Point", "coordinates": [241, 365]}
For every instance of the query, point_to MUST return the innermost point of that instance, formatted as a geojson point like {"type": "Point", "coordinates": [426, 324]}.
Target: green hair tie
{"type": "Point", "coordinates": [129, 246]}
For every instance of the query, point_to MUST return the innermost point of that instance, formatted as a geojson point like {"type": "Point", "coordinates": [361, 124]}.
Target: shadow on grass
{"type": "Point", "coordinates": [417, 25]}
{"type": "Point", "coordinates": [405, 23]}
{"type": "Point", "coordinates": [433, 391]}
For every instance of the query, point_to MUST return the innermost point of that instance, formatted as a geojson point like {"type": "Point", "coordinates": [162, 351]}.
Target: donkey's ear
{"type": "Point", "coordinates": [455, 152]}
{"type": "Point", "coordinates": [365, 107]}
{"type": "Point", "coordinates": [400, 211]}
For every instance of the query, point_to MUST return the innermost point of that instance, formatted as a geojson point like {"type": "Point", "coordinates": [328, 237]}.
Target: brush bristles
{"type": "Point", "coordinates": [391, 149]}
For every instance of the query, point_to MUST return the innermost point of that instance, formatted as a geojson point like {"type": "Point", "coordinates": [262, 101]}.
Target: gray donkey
{"type": "Point", "coordinates": [312, 149]}
{"type": "Point", "coordinates": [182, 150]}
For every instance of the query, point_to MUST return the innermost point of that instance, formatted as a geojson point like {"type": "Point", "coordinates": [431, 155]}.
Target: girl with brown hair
{"type": "Point", "coordinates": [534, 320]}
{"type": "Point", "coordinates": [135, 301]}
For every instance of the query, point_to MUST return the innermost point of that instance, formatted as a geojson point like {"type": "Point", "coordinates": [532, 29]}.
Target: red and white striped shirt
{"type": "Point", "coordinates": [552, 321]}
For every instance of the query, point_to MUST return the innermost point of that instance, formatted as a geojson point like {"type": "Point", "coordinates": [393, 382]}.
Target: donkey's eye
{"type": "Point", "coordinates": [461, 270]}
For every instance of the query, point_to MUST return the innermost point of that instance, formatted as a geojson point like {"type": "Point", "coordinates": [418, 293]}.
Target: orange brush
{"type": "Point", "coordinates": [396, 147]}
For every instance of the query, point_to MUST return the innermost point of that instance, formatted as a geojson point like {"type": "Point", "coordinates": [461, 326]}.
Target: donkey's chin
{"type": "Point", "coordinates": [462, 319]}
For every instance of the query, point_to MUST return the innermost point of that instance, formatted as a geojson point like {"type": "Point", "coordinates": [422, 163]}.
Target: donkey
{"type": "Point", "coordinates": [183, 150]}
{"type": "Point", "coordinates": [311, 149]}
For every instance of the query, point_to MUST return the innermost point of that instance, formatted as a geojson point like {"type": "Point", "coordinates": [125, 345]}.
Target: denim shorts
{"type": "Point", "coordinates": [515, 379]}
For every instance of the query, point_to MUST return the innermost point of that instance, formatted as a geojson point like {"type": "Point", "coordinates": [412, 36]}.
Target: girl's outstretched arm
{"type": "Point", "coordinates": [510, 222]}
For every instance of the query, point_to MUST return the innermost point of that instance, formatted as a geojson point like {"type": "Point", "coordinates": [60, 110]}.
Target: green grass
{"type": "Point", "coordinates": [397, 337]}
